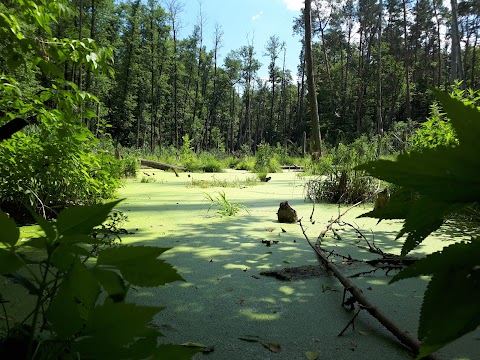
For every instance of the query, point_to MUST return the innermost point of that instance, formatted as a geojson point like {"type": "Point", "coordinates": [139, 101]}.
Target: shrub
{"type": "Point", "coordinates": [55, 165]}
{"type": "Point", "coordinates": [340, 182]}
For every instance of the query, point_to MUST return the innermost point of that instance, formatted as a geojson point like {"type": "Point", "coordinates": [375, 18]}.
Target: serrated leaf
{"type": "Point", "coordinates": [177, 352]}
{"type": "Point", "coordinates": [75, 299]}
{"type": "Point", "coordinates": [111, 282]}
{"type": "Point", "coordinates": [400, 203]}
{"type": "Point", "coordinates": [455, 256]}
{"type": "Point", "coordinates": [10, 232]}
{"type": "Point", "coordinates": [425, 216]}
{"type": "Point", "coordinates": [65, 256]}
{"type": "Point", "coordinates": [119, 323]}
{"type": "Point", "coordinates": [139, 264]}
{"type": "Point", "coordinates": [450, 308]}
{"type": "Point", "coordinates": [432, 172]}
{"type": "Point", "coordinates": [82, 219]}
{"type": "Point", "coordinates": [9, 262]}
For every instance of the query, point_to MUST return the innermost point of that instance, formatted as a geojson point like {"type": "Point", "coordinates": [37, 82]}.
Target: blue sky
{"type": "Point", "coordinates": [241, 20]}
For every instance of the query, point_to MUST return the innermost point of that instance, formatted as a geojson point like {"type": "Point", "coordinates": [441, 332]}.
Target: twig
{"type": "Point", "coordinates": [403, 336]}
{"type": "Point", "coordinates": [351, 322]}
{"type": "Point", "coordinates": [372, 248]}
{"type": "Point", "coordinates": [330, 224]}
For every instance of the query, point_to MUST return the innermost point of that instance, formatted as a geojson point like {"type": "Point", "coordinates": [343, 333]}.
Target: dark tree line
{"type": "Point", "coordinates": [374, 62]}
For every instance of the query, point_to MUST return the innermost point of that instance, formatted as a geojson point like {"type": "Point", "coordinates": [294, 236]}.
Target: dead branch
{"type": "Point", "coordinates": [403, 336]}
{"type": "Point", "coordinates": [372, 248]}
{"type": "Point", "coordinates": [331, 222]}
{"type": "Point", "coordinates": [161, 166]}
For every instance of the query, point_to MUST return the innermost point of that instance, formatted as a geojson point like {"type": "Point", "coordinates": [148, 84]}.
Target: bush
{"type": "Point", "coordinates": [265, 160]}
{"type": "Point", "coordinates": [55, 165]}
{"type": "Point", "coordinates": [339, 181]}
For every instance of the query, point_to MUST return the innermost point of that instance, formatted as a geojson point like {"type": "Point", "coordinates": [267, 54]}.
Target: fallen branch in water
{"type": "Point", "coordinates": [403, 336]}
{"type": "Point", "coordinates": [161, 166]}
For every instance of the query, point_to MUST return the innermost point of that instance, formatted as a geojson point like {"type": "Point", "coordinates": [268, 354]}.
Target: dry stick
{"type": "Point", "coordinates": [404, 337]}
{"type": "Point", "coordinates": [329, 226]}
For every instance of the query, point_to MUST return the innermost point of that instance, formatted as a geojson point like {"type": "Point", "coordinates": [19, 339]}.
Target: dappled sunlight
{"type": "Point", "coordinates": [287, 290]}
{"type": "Point", "coordinates": [252, 314]}
{"type": "Point", "coordinates": [222, 259]}
{"type": "Point", "coordinates": [236, 266]}
{"type": "Point", "coordinates": [204, 252]}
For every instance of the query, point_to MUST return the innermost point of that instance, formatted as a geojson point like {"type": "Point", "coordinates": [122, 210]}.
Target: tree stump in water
{"type": "Point", "coordinates": [383, 197]}
{"type": "Point", "coordinates": [286, 214]}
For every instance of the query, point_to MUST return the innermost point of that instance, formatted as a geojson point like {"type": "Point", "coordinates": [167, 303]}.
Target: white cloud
{"type": "Point", "coordinates": [257, 16]}
{"type": "Point", "coordinates": [294, 5]}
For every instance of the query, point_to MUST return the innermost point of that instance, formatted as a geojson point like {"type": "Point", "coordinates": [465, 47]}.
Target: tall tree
{"type": "Point", "coordinates": [312, 95]}
{"type": "Point", "coordinates": [272, 50]}
{"type": "Point", "coordinates": [456, 55]}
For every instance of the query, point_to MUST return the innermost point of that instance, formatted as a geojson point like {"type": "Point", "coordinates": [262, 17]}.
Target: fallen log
{"type": "Point", "coordinates": [161, 166]}
{"type": "Point", "coordinates": [403, 336]}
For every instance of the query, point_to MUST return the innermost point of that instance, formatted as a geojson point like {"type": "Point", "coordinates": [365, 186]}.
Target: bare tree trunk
{"type": "Point", "coordinates": [456, 65]}
{"type": "Point", "coordinates": [312, 95]}
{"type": "Point", "coordinates": [408, 113]}
{"type": "Point", "coordinates": [379, 74]}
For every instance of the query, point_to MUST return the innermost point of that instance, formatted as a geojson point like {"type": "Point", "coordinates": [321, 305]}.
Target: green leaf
{"type": "Point", "coordinates": [75, 299]}
{"type": "Point", "coordinates": [177, 352]}
{"type": "Point", "coordinates": [9, 262]}
{"type": "Point", "coordinates": [433, 171]}
{"type": "Point", "coordinates": [425, 216]}
{"type": "Point", "coordinates": [139, 264]}
{"type": "Point", "coordinates": [119, 323]}
{"type": "Point", "coordinates": [450, 308]}
{"type": "Point", "coordinates": [45, 225]}
{"type": "Point", "coordinates": [37, 243]}
{"type": "Point", "coordinates": [82, 219]}
{"type": "Point", "coordinates": [450, 258]}
{"type": "Point", "coordinates": [112, 283]}
{"type": "Point", "coordinates": [10, 231]}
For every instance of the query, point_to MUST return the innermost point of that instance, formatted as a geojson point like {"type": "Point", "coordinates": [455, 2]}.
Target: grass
{"type": "Point", "coordinates": [204, 184]}
{"type": "Point", "coordinates": [224, 207]}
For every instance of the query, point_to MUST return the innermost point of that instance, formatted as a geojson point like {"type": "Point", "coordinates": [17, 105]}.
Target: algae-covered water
{"type": "Point", "coordinates": [225, 298]}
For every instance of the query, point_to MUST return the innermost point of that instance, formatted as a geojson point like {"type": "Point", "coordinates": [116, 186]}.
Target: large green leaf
{"type": "Point", "coordinates": [10, 231]}
{"type": "Point", "coordinates": [119, 323]}
{"type": "Point", "coordinates": [433, 171]}
{"type": "Point", "coordinates": [76, 297]}
{"type": "Point", "coordinates": [82, 219]}
{"type": "Point", "coordinates": [9, 262]}
{"type": "Point", "coordinates": [450, 308]}
{"type": "Point", "coordinates": [112, 283]}
{"type": "Point", "coordinates": [424, 217]}
{"type": "Point", "coordinates": [451, 258]}
{"type": "Point", "coordinates": [139, 264]}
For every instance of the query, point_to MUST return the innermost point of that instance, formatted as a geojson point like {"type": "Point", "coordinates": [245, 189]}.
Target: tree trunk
{"type": "Point", "coordinates": [312, 95]}
{"type": "Point", "coordinates": [408, 107]}
{"type": "Point", "coordinates": [456, 64]}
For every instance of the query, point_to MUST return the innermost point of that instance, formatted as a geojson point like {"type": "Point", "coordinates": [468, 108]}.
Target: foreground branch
{"type": "Point", "coordinates": [403, 336]}
{"type": "Point", "coordinates": [161, 166]}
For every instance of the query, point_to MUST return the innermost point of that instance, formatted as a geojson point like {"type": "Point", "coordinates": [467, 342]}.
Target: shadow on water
{"type": "Point", "coordinates": [225, 297]}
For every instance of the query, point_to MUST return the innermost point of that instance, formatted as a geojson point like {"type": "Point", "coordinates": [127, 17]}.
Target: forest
{"type": "Point", "coordinates": [385, 100]}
